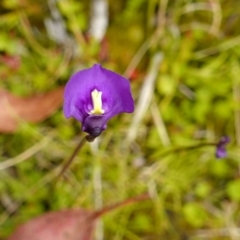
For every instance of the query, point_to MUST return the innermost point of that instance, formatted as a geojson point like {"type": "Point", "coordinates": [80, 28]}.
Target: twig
{"type": "Point", "coordinates": [160, 126]}
{"type": "Point", "coordinates": [145, 96]}
{"type": "Point", "coordinates": [217, 17]}
{"type": "Point", "coordinates": [24, 155]}
{"type": "Point", "coordinates": [138, 57]}
{"type": "Point", "coordinates": [99, 19]}
{"type": "Point", "coordinates": [142, 197]}
{"type": "Point", "coordinates": [224, 46]}
{"type": "Point", "coordinates": [235, 70]}
{"type": "Point", "coordinates": [222, 232]}
{"type": "Point", "coordinates": [161, 18]}
{"type": "Point", "coordinates": [150, 41]}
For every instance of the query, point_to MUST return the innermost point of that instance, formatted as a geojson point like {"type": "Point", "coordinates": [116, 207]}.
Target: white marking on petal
{"type": "Point", "coordinates": [97, 102]}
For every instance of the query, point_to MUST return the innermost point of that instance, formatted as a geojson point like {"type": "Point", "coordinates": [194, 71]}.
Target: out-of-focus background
{"type": "Point", "coordinates": [182, 58]}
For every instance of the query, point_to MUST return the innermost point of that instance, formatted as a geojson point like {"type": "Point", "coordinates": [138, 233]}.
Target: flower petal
{"type": "Point", "coordinates": [111, 93]}
{"type": "Point", "coordinates": [221, 151]}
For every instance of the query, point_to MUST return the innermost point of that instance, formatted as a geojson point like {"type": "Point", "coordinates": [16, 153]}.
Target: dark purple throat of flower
{"type": "Point", "coordinates": [95, 95]}
{"type": "Point", "coordinates": [94, 125]}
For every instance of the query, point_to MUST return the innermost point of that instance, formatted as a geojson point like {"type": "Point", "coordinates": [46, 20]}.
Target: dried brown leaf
{"type": "Point", "coordinates": [70, 224]}
{"type": "Point", "coordinates": [73, 224]}
{"type": "Point", "coordinates": [33, 109]}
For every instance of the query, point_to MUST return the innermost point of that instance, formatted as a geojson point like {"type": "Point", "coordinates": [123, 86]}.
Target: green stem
{"type": "Point", "coordinates": [179, 149]}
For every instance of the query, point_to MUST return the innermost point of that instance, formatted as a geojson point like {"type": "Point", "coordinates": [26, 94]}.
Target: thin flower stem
{"type": "Point", "coordinates": [70, 160]}
{"type": "Point", "coordinates": [180, 149]}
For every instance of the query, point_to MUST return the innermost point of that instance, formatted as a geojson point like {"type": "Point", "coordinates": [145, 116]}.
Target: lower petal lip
{"type": "Point", "coordinates": [94, 124]}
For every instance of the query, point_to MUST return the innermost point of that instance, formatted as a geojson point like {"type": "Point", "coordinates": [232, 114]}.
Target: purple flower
{"type": "Point", "coordinates": [221, 147]}
{"type": "Point", "coordinates": [95, 95]}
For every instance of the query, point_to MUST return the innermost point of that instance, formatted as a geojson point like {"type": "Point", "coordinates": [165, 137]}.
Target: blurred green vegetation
{"type": "Point", "coordinates": [195, 100]}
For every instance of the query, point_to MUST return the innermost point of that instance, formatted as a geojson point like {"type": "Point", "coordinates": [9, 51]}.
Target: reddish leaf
{"type": "Point", "coordinates": [71, 224]}
{"type": "Point", "coordinates": [33, 109]}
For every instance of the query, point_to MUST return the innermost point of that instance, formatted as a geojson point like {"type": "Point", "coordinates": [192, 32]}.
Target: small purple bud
{"type": "Point", "coordinates": [221, 151]}
{"type": "Point", "coordinates": [95, 95]}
